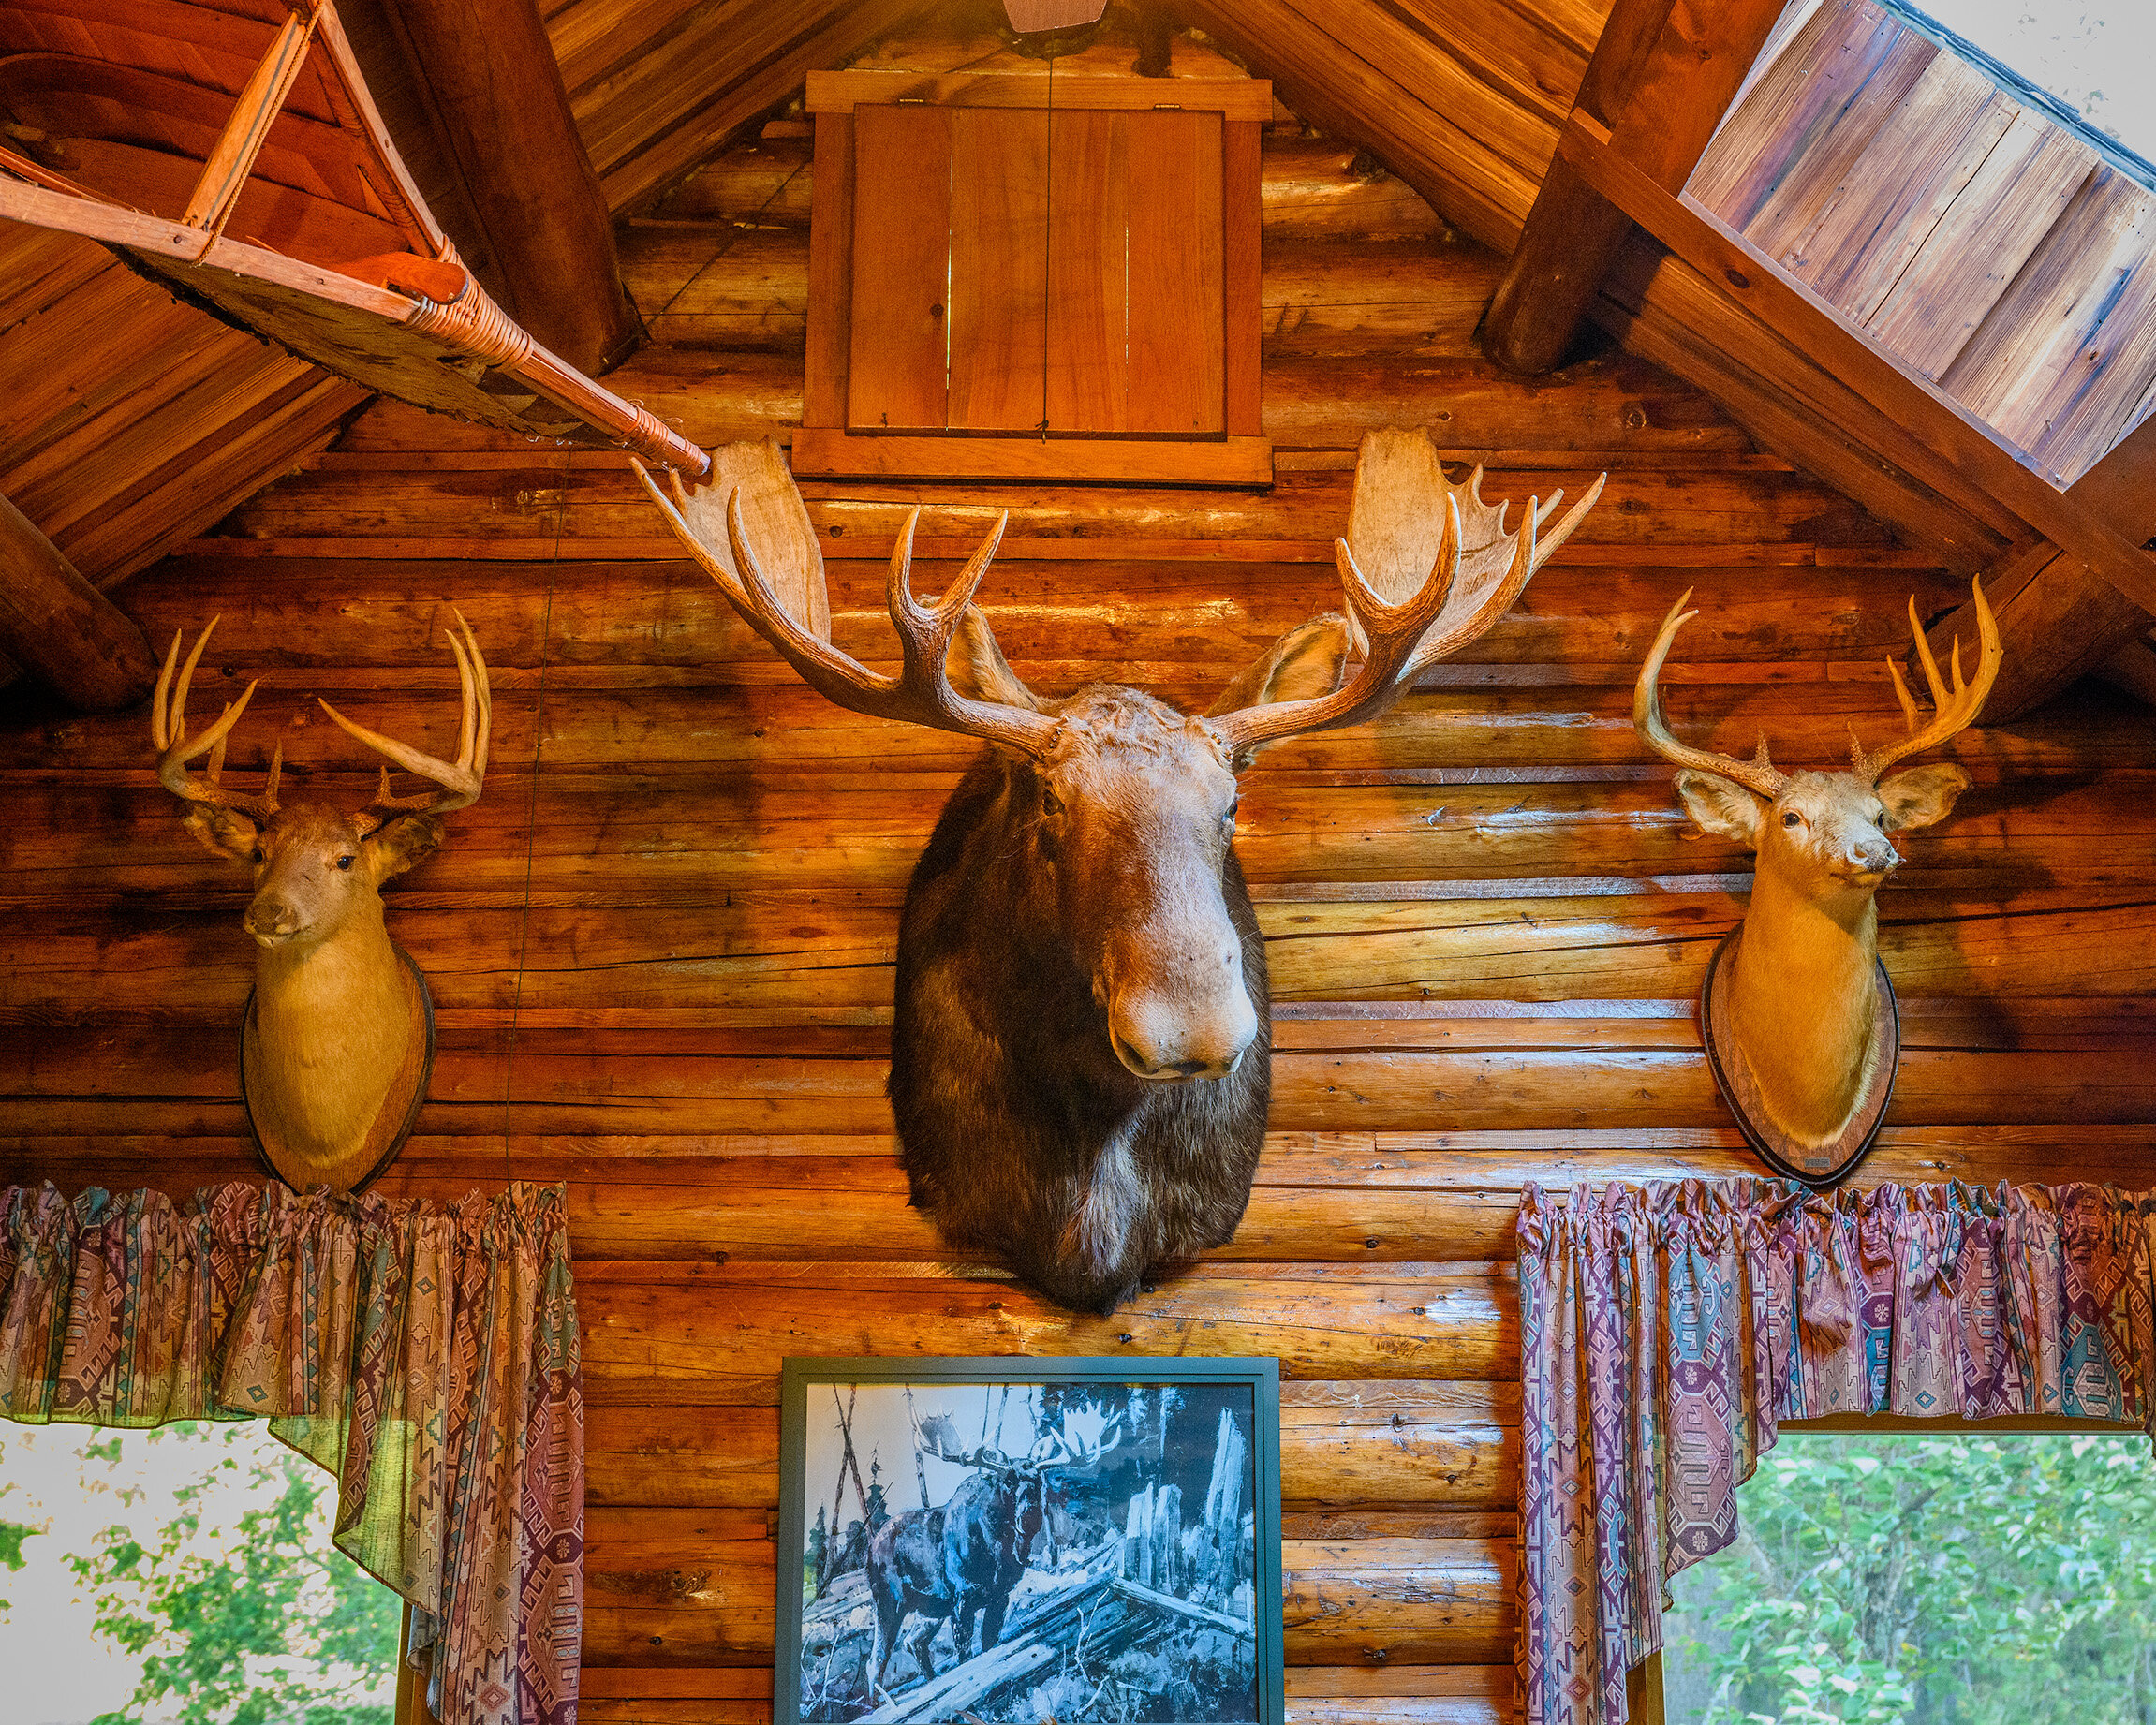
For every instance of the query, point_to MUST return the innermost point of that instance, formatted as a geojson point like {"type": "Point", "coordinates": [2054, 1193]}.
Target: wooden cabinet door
{"type": "Point", "coordinates": [1135, 324]}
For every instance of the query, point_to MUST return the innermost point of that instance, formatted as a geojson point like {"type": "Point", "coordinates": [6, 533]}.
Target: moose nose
{"type": "Point", "coordinates": [1168, 1041]}
{"type": "Point", "coordinates": [271, 920]}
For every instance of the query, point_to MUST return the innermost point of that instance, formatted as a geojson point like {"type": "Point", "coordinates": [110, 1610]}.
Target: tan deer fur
{"type": "Point", "coordinates": [334, 1041]}
{"type": "Point", "coordinates": [1802, 998]}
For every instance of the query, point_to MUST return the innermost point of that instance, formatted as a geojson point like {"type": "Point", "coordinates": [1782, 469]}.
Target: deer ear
{"type": "Point", "coordinates": [978, 670]}
{"type": "Point", "coordinates": [1721, 805]}
{"type": "Point", "coordinates": [224, 831]}
{"type": "Point", "coordinates": [404, 842]}
{"type": "Point", "coordinates": [1921, 795]}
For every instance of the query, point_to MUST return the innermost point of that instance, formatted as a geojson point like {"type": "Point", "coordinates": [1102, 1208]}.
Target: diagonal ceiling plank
{"type": "Point", "coordinates": [651, 108]}
{"type": "Point", "coordinates": [1352, 69]}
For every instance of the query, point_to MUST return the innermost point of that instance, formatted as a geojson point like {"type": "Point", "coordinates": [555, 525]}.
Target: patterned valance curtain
{"type": "Point", "coordinates": [1666, 1331]}
{"type": "Point", "coordinates": [428, 1358]}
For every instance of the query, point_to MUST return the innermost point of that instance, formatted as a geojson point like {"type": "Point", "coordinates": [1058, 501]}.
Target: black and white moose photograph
{"type": "Point", "coordinates": [1075, 1548]}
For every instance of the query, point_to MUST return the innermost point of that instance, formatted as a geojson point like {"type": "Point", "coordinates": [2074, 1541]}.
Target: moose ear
{"type": "Point", "coordinates": [1921, 795]}
{"type": "Point", "coordinates": [978, 670]}
{"type": "Point", "coordinates": [1721, 805]}
{"type": "Point", "coordinates": [1301, 665]}
{"type": "Point", "coordinates": [404, 842]}
{"type": "Point", "coordinates": [225, 830]}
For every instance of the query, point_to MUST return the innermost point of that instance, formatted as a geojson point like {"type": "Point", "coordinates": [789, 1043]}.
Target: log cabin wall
{"type": "Point", "coordinates": [661, 943]}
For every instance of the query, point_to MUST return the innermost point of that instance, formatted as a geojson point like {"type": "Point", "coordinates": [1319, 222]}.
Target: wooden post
{"type": "Point", "coordinates": [61, 629]}
{"type": "Point", "coordinates": [489, 73]}
{"type": "Point", "coordinates": [1662, 75]}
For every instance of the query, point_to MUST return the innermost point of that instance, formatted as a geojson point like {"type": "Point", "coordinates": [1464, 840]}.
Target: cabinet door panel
{"type": "Point", "coordinates": [1175, 348]}
{"type": "Point", "coordinates": [1088, 280]}
{"type": "Point", "coordinates": [998, 267]}
{"type": "Point", "coordinates": [898, 355]}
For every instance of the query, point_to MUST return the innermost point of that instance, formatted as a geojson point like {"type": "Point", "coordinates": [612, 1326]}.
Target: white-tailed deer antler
{"type": "Point", "coordinates": [1466, 587]}
{"type": "Point", "coordinates": [1953, 710]}
{"type": "Point", "coordinates": [460, 784]}
{"type": "Point", "coordinates": [921, 693]}
{"type": "Point", "coordinates": [1757, 775]}
{"type": "Point", "coordinates": [168, 730]}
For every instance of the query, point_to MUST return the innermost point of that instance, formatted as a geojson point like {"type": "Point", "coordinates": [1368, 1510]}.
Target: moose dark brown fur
{"type": "Point", "coordinates": [1080, 1066]}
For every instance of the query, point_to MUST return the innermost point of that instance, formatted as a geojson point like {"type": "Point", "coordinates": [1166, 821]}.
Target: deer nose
{"type": "Point", "coordinates": [1168, 1041]}
{"type": "Point", "coordinates": [1874, 855]}
{"type": "Point", "coordinates": [271, 920]}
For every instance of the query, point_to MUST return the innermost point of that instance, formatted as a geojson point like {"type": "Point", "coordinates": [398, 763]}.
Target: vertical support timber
{"type": "Point", "coordinates": [1662, 75]}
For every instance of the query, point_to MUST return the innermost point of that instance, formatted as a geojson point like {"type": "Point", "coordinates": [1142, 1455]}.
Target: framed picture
{"type": "Point", "coordinates": [1021, 1541]}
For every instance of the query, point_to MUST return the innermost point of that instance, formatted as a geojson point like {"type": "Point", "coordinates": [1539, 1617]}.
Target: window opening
{"type": "Point", "coordinates": [2092, 59]}
{"type": "Point", "coordinates": [182, 1575]}
{"type": "Point", "coordinates": [1964, 1579]}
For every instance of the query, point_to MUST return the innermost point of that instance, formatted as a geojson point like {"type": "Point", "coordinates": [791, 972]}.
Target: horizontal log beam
{"type": "Point", "coordinates": [487, 72]}
{"type": "Point", "coordinates": [61, 629]}
{"type": "Point", "coordinates": [1663, 73]}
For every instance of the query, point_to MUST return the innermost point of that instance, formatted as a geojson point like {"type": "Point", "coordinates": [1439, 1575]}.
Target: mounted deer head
{"type": "Point", "coordinates": [1800, 998]}
{"type": "Point", "coordinates": [1081, 1045]}
{"type": "Point", "coordinates": [339, 1031]}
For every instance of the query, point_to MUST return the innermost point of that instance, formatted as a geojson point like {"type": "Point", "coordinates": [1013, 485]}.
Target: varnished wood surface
{"type": "Point", "coordinates": [661, 944]}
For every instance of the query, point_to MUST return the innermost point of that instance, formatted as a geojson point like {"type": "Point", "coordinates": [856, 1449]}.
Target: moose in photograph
{"type": "Point", "coordinates": [1082, 1551]}
{"type": "Point", "coordinates": [960, 1560]}
{"type": "Point", "coordinates": [338, 1039]}
{"type": "Point", "coordinates": [1081, 1052]}
{"type": "Point", "coordinates": [1798, 1015]}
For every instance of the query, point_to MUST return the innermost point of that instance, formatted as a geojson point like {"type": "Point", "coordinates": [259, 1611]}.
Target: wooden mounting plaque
{"type": "Point", "coordinates": [393, 1121]}
{"type": "Point", "coordinates": [1828, 1164]}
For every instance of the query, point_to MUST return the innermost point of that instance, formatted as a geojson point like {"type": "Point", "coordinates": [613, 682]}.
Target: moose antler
{"type": "Point", "coordinates": [1467, 588]}
{"type": "Point", "coordinates": [460, 784]}
{"type": "Point", "coordinates": [1757, 775]}
{"type": "Point", "coordinates": [1953, 710]}
{"type": "Point", "coordinates": [921, 693]}
{"type": "Point", "coordinates": [168, 730]}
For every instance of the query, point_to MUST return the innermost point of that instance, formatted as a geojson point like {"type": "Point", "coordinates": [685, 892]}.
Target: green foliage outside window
{"type": "Point", "coordinates": [265, 1622]}
{"type": "Point", "coordinates": [1922, 1580]}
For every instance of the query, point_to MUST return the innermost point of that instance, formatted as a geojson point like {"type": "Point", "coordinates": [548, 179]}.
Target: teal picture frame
{"type": "Point", "coordinates": [1212, 1382]}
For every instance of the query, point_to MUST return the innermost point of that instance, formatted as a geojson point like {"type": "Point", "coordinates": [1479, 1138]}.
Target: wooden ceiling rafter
{"type": "Point", "coordinates": [411, 322]}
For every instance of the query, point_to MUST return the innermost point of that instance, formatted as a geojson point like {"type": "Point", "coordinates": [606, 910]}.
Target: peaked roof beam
{"type": "Point", "coordinates": [2062, 620]}
{"type": "Point", "coordinates": [1662, 75]}
{"type": "Point", "coordinates": [488, 72]}
{"type": "Point", "coordinates": [61, 629]}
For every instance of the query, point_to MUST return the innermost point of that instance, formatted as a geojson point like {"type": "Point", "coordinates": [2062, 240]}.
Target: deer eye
{"type": "Point", "coordinates": [1050, 803]}
{"type": "Point", "coordinates": [257, 856]}
{"type": "Point", "coordinates": [1228, 819]}
{"type": "Point", "coordinates": [344, 862]}
{"type": "Point", "coordinates": [1790, 818]}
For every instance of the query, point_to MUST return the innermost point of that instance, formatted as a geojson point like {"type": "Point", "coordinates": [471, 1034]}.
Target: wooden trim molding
{"type": "Point", "coordinates": [825, 452]}
{"type": "Point", "coordinates": [1234, 99]}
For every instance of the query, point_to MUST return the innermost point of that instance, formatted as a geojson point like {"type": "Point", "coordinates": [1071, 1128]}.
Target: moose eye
{"type": "Point", "coordinates": [257, 856]}
{"type": "Point", "coordinates": [1790, 818]}
{"type": "Point", "coordinates": [344, 862]}
{"type": "Point", "coordinates": [1050, 803]}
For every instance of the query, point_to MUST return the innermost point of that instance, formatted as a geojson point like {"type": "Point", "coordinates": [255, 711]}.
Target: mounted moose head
{"type": "Point", "coordinates": [1798, 1015]}
{"type": "Point", "coordinates": [1081, 1050]}
{"type": "Point", "coordinates": [339, 1034]}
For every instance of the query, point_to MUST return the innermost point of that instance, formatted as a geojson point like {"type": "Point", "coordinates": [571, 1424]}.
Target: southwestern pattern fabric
{"type": "Point", "coordinates": [428, 1358]}
{"type": "Point", "coordinates": [1666, 1331]}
